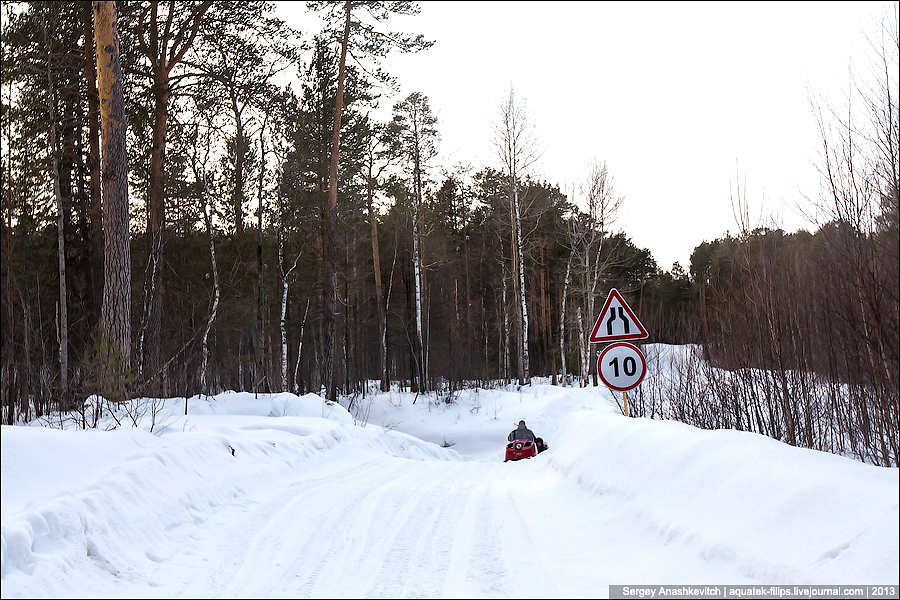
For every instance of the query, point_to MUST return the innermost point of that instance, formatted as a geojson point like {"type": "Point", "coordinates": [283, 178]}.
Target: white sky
{"type": "Point", "coordinates": [675, 97]}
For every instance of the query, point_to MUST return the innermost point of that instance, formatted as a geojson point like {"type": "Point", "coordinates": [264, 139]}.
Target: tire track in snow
{"type": "Point", "coordinates": [487, 572]}
{"type": "Point", "coordinates": [461, 547]}
{"type": "Point", "coordinates": [392, 578]}
{"type": "Point", "coordinates": [239, 558]}
{"type": "Point", "coordinates": [325, 530]}
{"type": "Point", "coordinates": [328, 577]}
{"type": "Point", "coordinates": [383, 509]}
{"type": "Point", "coordinates": [535, 557]}
{"type": "Point", "coordinates": [332, 582]}
{"type": "Point", "coordinates": [330, 537]}
{"type": "Point", "coordinates": [436, 544]}
{"type": "Point", "coordinates": [274, 541]}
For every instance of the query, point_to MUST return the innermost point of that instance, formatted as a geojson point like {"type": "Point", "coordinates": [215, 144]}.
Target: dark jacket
{"type": "Point", "coordinates": [521, 433]}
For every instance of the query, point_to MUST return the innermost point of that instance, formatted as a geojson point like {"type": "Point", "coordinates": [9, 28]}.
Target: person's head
{"type": "Point", "coordinates": [521, 424]}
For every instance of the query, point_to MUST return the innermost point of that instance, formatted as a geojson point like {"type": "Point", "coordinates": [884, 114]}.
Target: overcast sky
{"type": "Point", "coordinates": [676, 98]}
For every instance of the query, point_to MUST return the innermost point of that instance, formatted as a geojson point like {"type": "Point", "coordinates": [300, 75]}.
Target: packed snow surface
{"type": "Point", "coordinates": [280, 495]}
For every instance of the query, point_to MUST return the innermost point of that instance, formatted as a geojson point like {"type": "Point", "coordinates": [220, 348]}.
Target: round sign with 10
{"type": "Point", "coordinates": [621, 366]}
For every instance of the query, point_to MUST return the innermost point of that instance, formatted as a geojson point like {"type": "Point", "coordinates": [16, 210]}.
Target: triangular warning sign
{"type": "Point", "coordinates": [617, 321]}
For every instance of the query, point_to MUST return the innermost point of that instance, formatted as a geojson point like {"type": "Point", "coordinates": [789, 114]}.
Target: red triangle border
{"type": "Point", "coordinates": [641, 333]}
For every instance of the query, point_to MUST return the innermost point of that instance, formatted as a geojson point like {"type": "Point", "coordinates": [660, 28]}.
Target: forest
{"type": "Point", "coordinates": [196, 197]}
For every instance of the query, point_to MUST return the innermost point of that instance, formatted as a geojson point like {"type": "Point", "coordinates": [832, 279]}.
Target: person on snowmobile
{"type": "Point", "coordinates": [521, 433]}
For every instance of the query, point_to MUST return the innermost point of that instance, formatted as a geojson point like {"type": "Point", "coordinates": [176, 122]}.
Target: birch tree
{"type": "Point", "coordinates": [582, 349]}
{"type": "Point", "coordinates": [603, 204]}
{"type": "Point", "coordinates": [300, 348]}
{"type": "Point", "coordinates": [562, 319]}
{"type": "Point", "coordinates": [285, 274]}
{"type": "Point", "coordinates": [516, 150]}
{"type": "Point", "coordinates": [416, 127]}
{"type": "Point", "coordinates": [199, 161]}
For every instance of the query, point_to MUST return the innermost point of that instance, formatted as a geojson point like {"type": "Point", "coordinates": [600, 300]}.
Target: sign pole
{"type": "Point", "coordinates": [625, 399]}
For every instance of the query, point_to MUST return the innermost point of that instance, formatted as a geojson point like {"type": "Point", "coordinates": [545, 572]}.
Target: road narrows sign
{"type": "Point", "coordinates": [621, 366]}
{"type": "Point", "coordinates": [617, 322]}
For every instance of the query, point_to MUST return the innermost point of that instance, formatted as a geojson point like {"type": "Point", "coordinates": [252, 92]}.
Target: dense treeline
{"type": "Point", "coordinates": [261, 260]}
{"type": "Point", "coordinates": [800, 331]}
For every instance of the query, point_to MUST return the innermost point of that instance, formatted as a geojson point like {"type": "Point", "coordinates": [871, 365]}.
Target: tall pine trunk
{"type": "Point", "coordinates": [116, 308]}
{"type": "Point", "coordinates": [330, 220]}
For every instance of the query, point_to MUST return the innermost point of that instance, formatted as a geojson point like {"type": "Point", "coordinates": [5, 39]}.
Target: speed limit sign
{"type": "Point", "coordinates": [621, 366]}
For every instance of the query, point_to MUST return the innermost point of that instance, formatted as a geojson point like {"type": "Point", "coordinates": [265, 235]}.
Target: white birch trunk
{"type": "Point", "coordinates": [284, 286]}
{"type": "Point", "coordinates": [582, 346]}
{"type": "Point", "coordinates": [524, 305]}
{"type": "Point", "coordinates": [300, 347]}
{"type": "Point", "coordinates": [151, 275]}
{"type": "Point", "coordinates": [418, 275]}
{"type": "Point", "coordinates": [591, 297]}
{"type": "Point", "coordinates": [505, 330]}
{"type": "Point", "coordinates": [200, 176]}
{"type": "Point", "coordinates": [215, 304]}
{"type": "Point", "coordinates": [562, 321]}
{"type": "Point", "coordinates": [284, 296]}
{"type": "Point", "coordinates": [387, 302]}
{"type": "Point", "coordinates": [516, 150]}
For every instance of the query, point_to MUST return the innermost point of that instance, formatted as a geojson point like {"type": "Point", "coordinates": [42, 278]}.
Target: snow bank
{"type": "Point", "coordinates": [80, 504]}
{"type": "Point", "coordinates": [262, 405]}
{"type": "Point", "coordinates": [38, 463]}
{"type": "Point", "coordinates": [783, 514]}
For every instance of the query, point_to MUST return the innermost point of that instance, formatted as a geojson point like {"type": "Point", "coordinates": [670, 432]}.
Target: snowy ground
{"type": "Point", "coordinates": [288, 496]}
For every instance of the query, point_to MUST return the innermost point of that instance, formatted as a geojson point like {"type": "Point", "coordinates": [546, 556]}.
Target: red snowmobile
{"type": "Point", "coordinates": [519, 449]}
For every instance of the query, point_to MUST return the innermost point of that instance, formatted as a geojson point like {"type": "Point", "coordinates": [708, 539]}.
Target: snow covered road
{"type": "Point", "coordinates": [393, 527]}
{"type": "Point", "coordinates": [398, 528]}
{"type": "Point", "coordinates": [320, 507]}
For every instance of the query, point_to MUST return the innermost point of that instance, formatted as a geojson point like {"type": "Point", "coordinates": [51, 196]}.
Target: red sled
{"type": "Point", "coordinates": [520, 449]}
